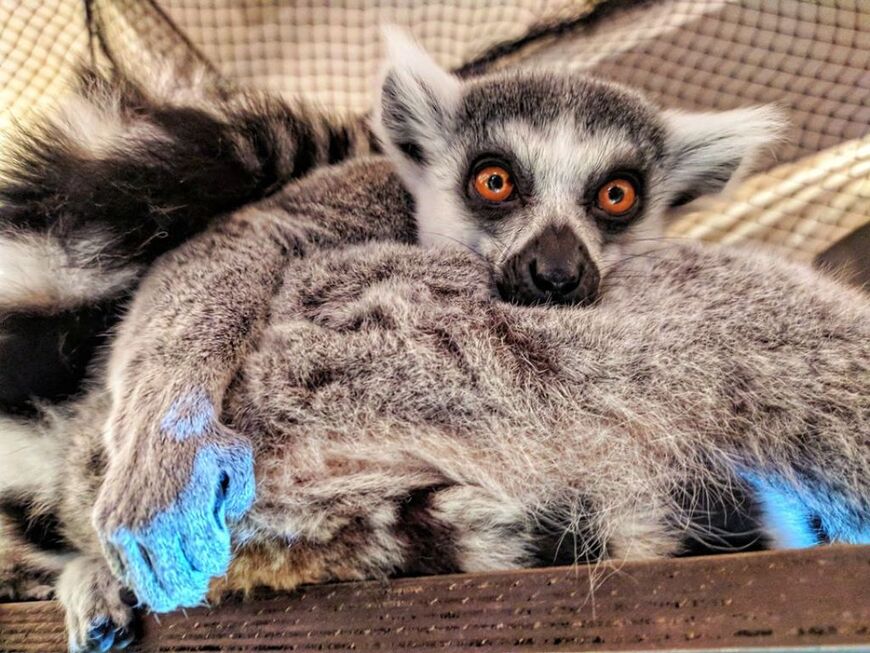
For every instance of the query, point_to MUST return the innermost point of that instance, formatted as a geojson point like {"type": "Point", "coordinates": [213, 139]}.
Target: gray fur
{"type": "Point", "coordinates": [368, 377]}
{"type": "Point", "coordinates": [732, 359]}
{"type": "Point", "coordinates": [403, 421]}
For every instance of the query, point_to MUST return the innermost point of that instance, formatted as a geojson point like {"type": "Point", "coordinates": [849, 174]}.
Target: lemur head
{"type": "Point", "coordinates": [553, 178]}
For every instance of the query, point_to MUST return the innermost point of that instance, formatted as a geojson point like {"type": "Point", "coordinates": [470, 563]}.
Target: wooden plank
{"type": "Point", "coordinates": [811, 600]}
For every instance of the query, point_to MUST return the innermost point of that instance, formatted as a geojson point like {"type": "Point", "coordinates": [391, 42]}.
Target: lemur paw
{"type": "Point", "coordinates": [163, 513]}
{"type": "Point", "coordinates": [98, 616]}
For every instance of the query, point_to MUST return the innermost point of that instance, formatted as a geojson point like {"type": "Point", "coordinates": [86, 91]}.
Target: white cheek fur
{"type": "Point", "coordinates": [27, 458]}
{"type": "Point", "coordinates": [441, 220]}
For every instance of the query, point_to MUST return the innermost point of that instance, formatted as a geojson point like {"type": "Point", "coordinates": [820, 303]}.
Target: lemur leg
{"type": "Point", "coordinates": [21, 582]}
{"type": "Point", "coordinates": [26, 574]}
{"type": "Point", "coordinates": [33, 546]}
{"type": "Point", "coordinates": [99, 615]}
{"type": "Point", "coordinates": [176, 476]}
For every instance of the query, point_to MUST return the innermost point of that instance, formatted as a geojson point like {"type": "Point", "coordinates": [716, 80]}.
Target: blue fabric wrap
{"type": "Point", "coordinates": [790, 511]}
{"type": "Point", "coordinates": [170, 560]}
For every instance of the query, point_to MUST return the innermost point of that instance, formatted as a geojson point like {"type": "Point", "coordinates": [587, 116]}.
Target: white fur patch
{"type": "Point", "coordinates": [27, 458]}
{"type": "Point", "coordinates": [639, 533]}
{"type": "Point", "coordinates": [36, 272]}
{"type": "Point", "coordinates": [710, 141]}
{"type": "Point", "coordinates": [99, 128]}
{"type": "Point", "coordinates": [441, 221]}
{"type": "Point", "coordinates": [96, 129]}
{"type": "Point", "coordinates": [188, 87]}
{"type": "Point", "coordinates": [481, 521]}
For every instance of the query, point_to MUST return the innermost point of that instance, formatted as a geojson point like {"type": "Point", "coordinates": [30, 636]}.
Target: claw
{"type": "Point", "coordinates": [128, 597]}
{"type": "Point", "coordinates": [103, 636]}
{"type": "Point", "coordinates": [123, 638]}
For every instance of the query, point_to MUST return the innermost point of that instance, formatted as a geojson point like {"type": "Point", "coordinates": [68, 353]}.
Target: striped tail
{"type": "Point", "coordinates": [124, 172]}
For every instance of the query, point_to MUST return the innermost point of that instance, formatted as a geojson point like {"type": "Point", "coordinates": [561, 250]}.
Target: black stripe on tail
{"type": "Point", "coordinates": [157, 169]}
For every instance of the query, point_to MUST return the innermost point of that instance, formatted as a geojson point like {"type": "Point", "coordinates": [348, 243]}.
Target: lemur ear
{"type": "Point", "coordinates": [709, 150]}
{"type": "Point", "coordinates": [417, 99]}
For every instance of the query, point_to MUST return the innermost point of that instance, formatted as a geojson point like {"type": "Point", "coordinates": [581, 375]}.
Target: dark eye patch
{"type": "Point", "coordinates": [614, 224]}
{"type": "Point", "coordinates": [490, 212]}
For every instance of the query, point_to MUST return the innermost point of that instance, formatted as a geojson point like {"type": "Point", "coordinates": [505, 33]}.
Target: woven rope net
{"type": "Point", "coordinates": [810, 57]}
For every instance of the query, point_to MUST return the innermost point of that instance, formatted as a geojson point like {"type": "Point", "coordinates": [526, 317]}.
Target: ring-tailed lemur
{"type": "Point", "coordinates": [402, 422]}
{"type": "Point", "coordinates": [551, 178]}
{"type": "Point", "coordinates": [181, 346]}
{"type": "Point", "coordinates": [552, 181]}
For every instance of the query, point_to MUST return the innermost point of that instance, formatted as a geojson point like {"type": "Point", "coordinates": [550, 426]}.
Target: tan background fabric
{"type": "Point", "coordinates": [811, 57]}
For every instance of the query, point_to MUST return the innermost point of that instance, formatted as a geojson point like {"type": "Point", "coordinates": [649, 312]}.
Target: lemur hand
{"type": "Point", "coordinates": [175, 478]}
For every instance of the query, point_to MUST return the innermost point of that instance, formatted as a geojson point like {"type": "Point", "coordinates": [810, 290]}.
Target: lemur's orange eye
{"type": "Point", "coordinates": [494, 184]}
{"type": "Point", "coordinates": [617, 197]}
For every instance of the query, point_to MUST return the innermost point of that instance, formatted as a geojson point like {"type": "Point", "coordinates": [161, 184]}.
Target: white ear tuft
{"type": "Point", "coordinates": [416, 100]}
{"type": "Point", "coordinates": [710, 150]}
{"type": "Point", "coordinates": [403, 52]}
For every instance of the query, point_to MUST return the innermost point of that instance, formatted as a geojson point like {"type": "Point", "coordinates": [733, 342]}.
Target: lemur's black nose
{"type": "Point", "coordinates": [553, 267]}
{"type": "Point", "coordinates": [554, 278]}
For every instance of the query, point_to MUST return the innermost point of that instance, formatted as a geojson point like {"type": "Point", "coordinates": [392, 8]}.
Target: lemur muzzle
{"type": "Point", "coordinates": [554, 267]}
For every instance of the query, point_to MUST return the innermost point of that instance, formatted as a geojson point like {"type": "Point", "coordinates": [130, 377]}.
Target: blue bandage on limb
{"type": "Point", "coordinates": [789, 513]}
{"type": "Point", "coordinates": [170, 561]}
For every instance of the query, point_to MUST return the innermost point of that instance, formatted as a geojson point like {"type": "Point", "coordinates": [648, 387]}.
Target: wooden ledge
{"type": "Point", "coordinates": [811, 600]}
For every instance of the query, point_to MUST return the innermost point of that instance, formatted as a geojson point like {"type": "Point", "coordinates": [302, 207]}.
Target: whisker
{"type": "Point", "coordinates": [664, 239]}
{"type": "Point", "coordinates": [490, 267]}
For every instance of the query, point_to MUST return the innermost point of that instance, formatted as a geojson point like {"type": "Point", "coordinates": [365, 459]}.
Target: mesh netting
{"type": "Point", "coordinates": [811, 57]}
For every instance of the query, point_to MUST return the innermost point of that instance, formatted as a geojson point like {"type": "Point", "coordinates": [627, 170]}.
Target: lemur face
{"type": "Point", "coordinates": [553, 178]}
